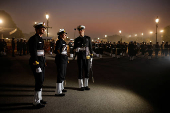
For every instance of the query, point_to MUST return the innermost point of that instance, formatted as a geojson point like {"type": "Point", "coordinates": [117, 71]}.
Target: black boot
{"type": "Point", "coordinates": [62, 94]}
{"type": "Point", "coordinates": [43, 102]}
{"type": "Point", "coordinates": [81, 89]}
{"type": "Point", "coordinates": [64, 90]}
{"type": "Point", "coordinates": [38, 106]}
{"type": "Point", "coordinates": [86, 88]}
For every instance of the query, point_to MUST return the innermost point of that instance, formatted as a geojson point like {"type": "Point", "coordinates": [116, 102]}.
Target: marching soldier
{"type": "Point", "coordinates": [150, 50]}
{"type": "Point", "coordinates": [162, 49]}
{"type": "Point", "coordinates": [24, 47]}
{"type": "Point", "coordinates": [20, 46]}
{"type": "Point", "coordinates": [13, 47]}
{"type": "Point", "coordinates": [118, 47]}
{"type": "Point", "coordinates": [37, 63]}
{"type": "Point", "coordinates": [124, 46]}
{"type": "Point", "coordinates": [71, 45]}
{"type": "Point", "coordinates": [157, 49]}
{"type": "Point", "coordinates": [166, 49]}
{"type": "Point", "coordinates": [97, 51]}
{"type": "Point", "coordinates": [83, 46]}
{"type": "Point", "coordinates": [131, 50]}
{"type": "Point", "coordinates": [61, 60]}
{"type": "Point", "coordinates": [101, 49]}
{"type": "Point", "coordinates": [143, 49]}
{"type": "Point", "coordinates": [51, 47]}
{"type": "Point", "coordinates": [114, 49]}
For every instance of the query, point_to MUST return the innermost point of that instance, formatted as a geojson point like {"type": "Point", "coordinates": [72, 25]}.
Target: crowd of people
{"type": "Point", "coordinates": [132, 49]}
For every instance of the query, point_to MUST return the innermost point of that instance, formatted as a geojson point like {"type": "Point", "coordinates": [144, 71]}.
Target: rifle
{"type": "Point", "coordinates": [91, 69]}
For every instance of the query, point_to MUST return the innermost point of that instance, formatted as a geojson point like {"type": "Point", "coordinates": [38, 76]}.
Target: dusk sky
{"type": "Point", "coordinates": [101, 17]}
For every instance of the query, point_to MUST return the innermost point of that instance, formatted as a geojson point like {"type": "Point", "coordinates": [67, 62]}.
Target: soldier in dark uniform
{"type": "Point", "coordinates": [20, 46]}
{"type": "Point", "coordinates": [131, 50]}
{"type": "Point", "coordinates": [166, 49]}
{"type": "Point", "coordinates": [124, 46]}
{"type": "Point", "coordinates": [4, 46]}
{"type": "Point", "coordinates": [51, 47]}
{"type": "Point", "coordinates": [71, 45]}
{"type": "Point", "coordinates": [118, 47]}
{"type": "Point", "coordinates": [24, 47]}
{"type": "Point", "coordinates": [13, 47]}
{"type": "Point", "coordinates": [61, 60]}
{"type": "Point", "coordinates": [142, 47]}
{"type": "Point", "coordinates": [162, 49]}
{"type": "Point", "coordinates": [110, 48]}
{"type": "Point", "coordinates": [83, 46]}
{"type": "Point", "coordinates": [97, 51]}
{"type": "Point", "coordinates": [37, 62]}
{"type": "Point", "coordinates": [157, 49]}
{"type": "Point", "coordinates": [135, 50]}
{"type": "Point", "coordinates": [150, 50]}
{"type": "Point", "coordinates": [101, 49]}
{"type": "Point", "coordinates": [114, 49]}
{"type": "Point", "coordinates": [1, 47]}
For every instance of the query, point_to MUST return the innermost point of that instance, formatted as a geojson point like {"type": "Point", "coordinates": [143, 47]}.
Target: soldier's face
{"type": "Point", "coordinates": [40, 30]}
{"type": "Point", "coordinates": [81, 32]}
{"type": "Point", "coordinates": [63, 36]}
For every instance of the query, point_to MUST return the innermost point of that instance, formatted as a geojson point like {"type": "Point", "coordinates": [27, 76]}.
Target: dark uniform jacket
{"type": "Point", "coordinates": [83, 42]}
{"type": "Point", "coordinates": [36, 43]}
{"type": "Point", "coordinates": [60, 49]}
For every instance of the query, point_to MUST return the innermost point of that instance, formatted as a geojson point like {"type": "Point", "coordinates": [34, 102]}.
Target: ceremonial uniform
{"type": "Point", "coordinates": [37, 63]}
{"type": "Point", "coordinates": [83, 47]}
{"type": "Point", "coordinates": [118, 47]}
{"type": "Point", "coordinates": [131, 50]}
{"type": "Point", "coordinates": [101, 49]}
{"type": "Point", "coordinates": [143, 49]}
{"type": "Point", "coordinates": [24, 47]}
{"type": "Point", "coordinates": [20, 47]}
{"type": "Point", "coordinates": [157, 49]}
{"type": "Point", "coordinates": [113, 49]}
{"type": "Point", "coordinates": [71, 45]}
{"type": "Point", "coordinates": [162, 49]}
{"type": "Point", "coordinates": [61, 60]}
{"type": "Point", "coordinates": [13, 47]}
{"type": "Point", "coordinates": [166, 49]}
{"type": "Point", "coordinates": [150, 50]}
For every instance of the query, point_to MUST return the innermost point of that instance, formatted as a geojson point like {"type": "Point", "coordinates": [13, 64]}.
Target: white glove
{"type": "Point", "coordinates": [38, 70]}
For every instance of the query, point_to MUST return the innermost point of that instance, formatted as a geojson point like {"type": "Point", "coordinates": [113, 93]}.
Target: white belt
{"type": "Point", "coordinates": [40, 52]}
{"type": "Point", "coordinates": [80, 49]}
{"type": "Point", "coordinates": [64, 53]}
{"type": "Point", "coordinates": [71, 47]}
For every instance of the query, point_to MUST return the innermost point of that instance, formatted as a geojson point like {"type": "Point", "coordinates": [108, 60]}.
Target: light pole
{"type": "Point", "coordinates": [120, 35]}
{"type": "Point", "coordinates": [157, 21]}
{"type": "Point", "coordinates": [142, 36]}
{"type": "Point", "coordinates": [47, 17]}
{"type": "Point", "coordinates": [2, 28]}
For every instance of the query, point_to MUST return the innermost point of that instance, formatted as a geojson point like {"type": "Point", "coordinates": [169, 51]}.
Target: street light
{"type": "Point", "coordinates": [120, 34]}
{"type": "Point", "coordinates": [157, 21]}
{"type": "Point", "coordinates": [47, 17]}
{"type": "Point", "coordinates": [151, 32]}
{"type": "Point", "coordinates": [136, 34]}
{"type": "Point", "coordinates": [98, 38]}
{"type": "Point", "coordinates": [161, 31]}
{"type": "Point", "coordinates": [1, 21]}
{"type": "Point", "coordinates": [105, 36]}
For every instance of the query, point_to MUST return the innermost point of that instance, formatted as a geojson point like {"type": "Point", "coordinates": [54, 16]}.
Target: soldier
{"type": "Point", "coordinates": [24, 47]}
{"type": "Point", "coordinates": [110, 49]}
{"type": "Point", "coordinates": [83, 46]}
{"type": "Point", "coordinates": [97, 51]}
{"type": "Point", "coordinates": [162, 49]}
{"type": "Point", "coordinates": [1, 47]}
{"type": "Point", "coordinates": [135, 50]}
{"type": "Point", "coordinates": [37, 63]}
{"type": "Point", "coordinates": [114, 49]}
{"type": "Point", "coordinates": [157, 49]}
{"type": "Point", "coordinates": [4, 45]}
{"type": "Point", "coordinates": [61, 60]}
{"type": "Point", "coordinates": [118, 47]}
{"type": "Point", "coordinates": [166, 49]}
{"type": "Point", "coordinates": [71, 45]}
{"type": "Point", "coordinates": [131, 50]}
{"type": "Point", "coordinates": [13, 47]}
{"type": "Point", "coordinates": [51, 47]}
{"type": "Point", "coordinates": [124, 46]}
{"type": "Point", "coordinates": [101, 49]}
{"type": "Point", "coordinates": [20, 46]}
{"type": "Point", "coordinates": [142, 47]}
{"type": "Point", "coordinates": [150, 50]}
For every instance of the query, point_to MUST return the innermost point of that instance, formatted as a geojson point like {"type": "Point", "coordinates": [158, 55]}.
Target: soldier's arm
{"type": "Point", "coordinates": [33, 51]}
{"type": "Point", "coordinates": [57, 47]}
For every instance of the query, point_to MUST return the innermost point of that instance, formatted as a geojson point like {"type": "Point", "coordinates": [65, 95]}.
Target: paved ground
{"type": "Point", "coordinates": [121, 86]}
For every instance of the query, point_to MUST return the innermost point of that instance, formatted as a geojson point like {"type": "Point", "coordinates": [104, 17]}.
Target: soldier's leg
{"type": "Point", "coordinates": [87, 70]}
{"type": "Point", "coordinates": [60, 78]}
{"type": "Point", "coordinates": [80, 76]}
{"type": "Point", "coordinates": [39, 78]}
{"type": "Point", "coordinates": [64, 79]}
